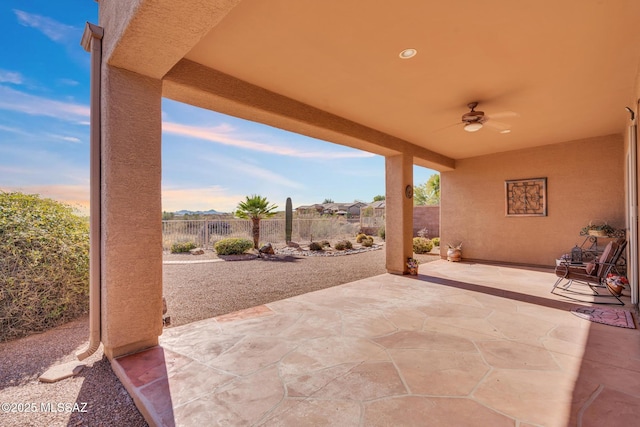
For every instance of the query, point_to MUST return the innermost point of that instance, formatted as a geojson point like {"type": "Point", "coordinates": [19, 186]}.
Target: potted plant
{"type": "Point", "coordinates": [454, 253]}
{"type": "Point", "coordinates": [597, 229]}
{"type": "Point", "coordinates": [412, 266]}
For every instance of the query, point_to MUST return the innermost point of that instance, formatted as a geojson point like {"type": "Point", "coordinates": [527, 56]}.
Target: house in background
{"type": "Point", "coordinates": [310, 210]}
{"type": "Point", "coordinates": [372, 216]}
{"type": "Point", "coordinates": [548, 148]}
{"type": "Point", "coordinates": [345, 209]}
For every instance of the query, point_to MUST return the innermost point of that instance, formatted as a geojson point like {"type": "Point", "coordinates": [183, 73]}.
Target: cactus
{"type": "Point", "coordinates": [288, 225]}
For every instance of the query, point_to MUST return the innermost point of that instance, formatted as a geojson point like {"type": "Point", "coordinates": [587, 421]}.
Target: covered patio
{"type": "Point", "coordinates": [460, 344]}
{"type": "Point", "coordinates": [399, 81]}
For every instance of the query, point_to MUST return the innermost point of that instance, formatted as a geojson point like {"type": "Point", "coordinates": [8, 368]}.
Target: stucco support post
{"type": "Point", "coordinates": [399, 212]}
{"type": "Point", "coordinates": [131, 233]}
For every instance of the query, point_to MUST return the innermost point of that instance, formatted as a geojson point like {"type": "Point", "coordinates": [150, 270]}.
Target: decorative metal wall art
{"type": "Point", "coordinates": [526, 197]}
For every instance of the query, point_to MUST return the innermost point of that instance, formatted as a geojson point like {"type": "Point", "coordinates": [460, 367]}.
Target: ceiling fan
{"type": "Point", "coordinates": [475, 120]}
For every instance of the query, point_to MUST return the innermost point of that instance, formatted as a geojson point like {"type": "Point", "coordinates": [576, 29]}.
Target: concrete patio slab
{"type": "Point", "coordinates": [461, 344]}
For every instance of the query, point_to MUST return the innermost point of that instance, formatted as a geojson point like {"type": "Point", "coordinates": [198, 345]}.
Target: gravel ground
{"type": "Point", "coordinates": [193, 291]}
{"type": "Point", "coordinates": [23, 360]}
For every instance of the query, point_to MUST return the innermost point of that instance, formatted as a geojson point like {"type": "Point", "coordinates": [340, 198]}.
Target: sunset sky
{"type": "Point", "coordinates": [210, 160]}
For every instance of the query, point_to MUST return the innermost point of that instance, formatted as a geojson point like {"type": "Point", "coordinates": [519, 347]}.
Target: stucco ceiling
{"type": "Point", "coordinates": [566, 68]}
{"type": "Point", "coordinates": [561, 70]}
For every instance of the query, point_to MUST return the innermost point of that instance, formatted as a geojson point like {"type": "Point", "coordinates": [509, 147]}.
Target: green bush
{"type": "Point", "coordinates": [232, 246]}
{"type": "Point", "coordinates": [422, 245]}
{"type": "Point", "coordinates": [343, 244]}
{"type": "Point", "coordinates": [315, 246]}
{"type": "Point", "coordinates": [381, 232]}
{"type": "Point", "coordinates": [435, 241]}
{"type": "Point", "coordinates": [360, 237]}
{"type": "Point", "coordinates": [367, 242]}
{"type": "Point", "coordinates": [44, 264]}
{"type": "Point", "coordinates": [178, 248]}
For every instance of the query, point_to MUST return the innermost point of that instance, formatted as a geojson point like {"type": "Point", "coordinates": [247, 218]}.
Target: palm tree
{"type": "Point", "coordinates": [255, 208]}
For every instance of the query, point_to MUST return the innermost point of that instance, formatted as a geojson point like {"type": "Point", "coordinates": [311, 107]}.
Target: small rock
{"type": "Point", "coordinates": [267, 249]}
{"type": "Point", "coordinates": [293, 245]}
{"type": "Point", "coordinates": [197, 251]}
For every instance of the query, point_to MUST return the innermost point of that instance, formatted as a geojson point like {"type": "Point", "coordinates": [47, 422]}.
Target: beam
{"type": "Point", "coordinates": [149, 37]}
{"type": "Point", "coordinates": [195, 84]}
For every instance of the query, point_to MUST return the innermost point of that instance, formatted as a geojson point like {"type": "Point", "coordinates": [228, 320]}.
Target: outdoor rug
{"type": "Point", "coordinates": [607, 316]}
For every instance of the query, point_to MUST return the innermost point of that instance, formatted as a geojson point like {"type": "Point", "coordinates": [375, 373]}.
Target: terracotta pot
{"type": "Point", "coordinates": [413, 271]}
{"type": "Point", "coordinates": [454, 255]}
{"type": "Point", "coordinates": [615, 289]}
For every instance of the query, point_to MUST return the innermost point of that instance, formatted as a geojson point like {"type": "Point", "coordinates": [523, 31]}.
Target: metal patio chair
{"type": "Point", "coordinates": [593, 275]}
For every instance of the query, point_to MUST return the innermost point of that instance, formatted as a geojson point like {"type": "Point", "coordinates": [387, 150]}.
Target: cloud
{"type": "Point", "coordinates": [65, 138]}
{"type": "Point", "coordinates": [202, 198]}
{"type": "Point", "coordinates": [54, 30]}
{"type": "Point", "coordinates": [13, 130]}
{"type": "Point", "coordinates": [68, 82]}
{"type": "Point", "coordinates": [14, 100]}
{"type": "Point", "coordinates": [223, 135]}
{"type": "Point", "coordinates": [251, 170]}
{"type": "Point", "coordinates": [15, 170]}
{"type": "Point", "coordinates": [11, 77]}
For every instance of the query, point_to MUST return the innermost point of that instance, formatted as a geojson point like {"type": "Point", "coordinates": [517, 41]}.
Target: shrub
{"type": "Point", "coordinates": [44, 264]}
{"type": "Point", "coordinates": [360, 237]}
{"type": "Point", "coordinates": [325, 244]}
{"type": "Point", "coordinates": [343, 244]}
{"type": "Point", "coordinates": [178, 248]}
{"type": "Point", "coordinates": [422, 245]}
{"type": "Point", "coordinates": [315, 246]}
{"type": "Point", "coordinates": [381, 232]}
{"type": "Point", "coordinates": [232, 246]}
{"type": "Point", "coordinates": [435, 241]}
{"type": "Point", "coordinates": [367, 242]}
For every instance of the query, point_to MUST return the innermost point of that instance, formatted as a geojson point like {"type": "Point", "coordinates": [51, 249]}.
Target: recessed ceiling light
{"type": "Point", "coordinates": [408, 53]}
{"type": "Point", "coordinates": [505, 131]}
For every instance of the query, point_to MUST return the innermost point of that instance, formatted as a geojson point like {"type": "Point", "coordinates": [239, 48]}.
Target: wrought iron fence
{"type": "Point", "coordinates": [205, 233]}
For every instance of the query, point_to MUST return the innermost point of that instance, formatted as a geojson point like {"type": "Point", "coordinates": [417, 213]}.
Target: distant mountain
{"type": "Point", "coordinates": [209, 212]}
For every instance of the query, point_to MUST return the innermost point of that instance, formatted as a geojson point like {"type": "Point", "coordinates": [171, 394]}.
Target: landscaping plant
{"type": "Point", "coordinates": [422, 245]}
{"type": "Point", "coordinates": [343, 244]}
{"type": "Point", "coordinates": [232, 246]}
{"type": "Point", "coordinates": [315, 246]}
{"type": "Point", "coordinates": [367, 241]}
{"type": "Point", "coordinates": [44, 264]}
{"type": "Point", "coordinates": [178, 248]}
{"type": "Point", "coordinates": [255, 208]}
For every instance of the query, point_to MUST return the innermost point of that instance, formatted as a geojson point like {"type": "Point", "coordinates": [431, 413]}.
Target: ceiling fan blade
{"type": "Point", "coordinates": [497, 126]}
{"type": "Point", "coordinates": [503, 115]}
{"type": "Point", "coordinates": [447, 127]}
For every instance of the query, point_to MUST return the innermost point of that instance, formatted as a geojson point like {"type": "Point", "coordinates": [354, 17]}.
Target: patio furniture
{"type": "Point", "coordinates": [592, 274]}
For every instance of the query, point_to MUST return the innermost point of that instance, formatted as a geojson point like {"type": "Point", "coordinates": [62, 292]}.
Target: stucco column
{"type": "Point", "coordinates": [399, 212]}
{"type": "Point", "coordinates": [131, 234]}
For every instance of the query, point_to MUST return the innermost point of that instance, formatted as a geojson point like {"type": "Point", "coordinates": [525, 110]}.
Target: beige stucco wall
{"type": "Point", "coordinates": [399, 212]}
{"type": "Point", "coordinates": [131, 232]}
{"type": "Point", "coordinates": [585, 181]}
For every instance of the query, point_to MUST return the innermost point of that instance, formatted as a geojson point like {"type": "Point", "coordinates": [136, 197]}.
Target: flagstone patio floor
{"type": "Point", "coordinates": [461, 344]}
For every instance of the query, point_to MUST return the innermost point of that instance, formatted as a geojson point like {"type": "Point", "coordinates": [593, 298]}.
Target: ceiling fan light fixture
{"type": "Point", "coordinates": [408, 53]}
{"type": "Point", "coordinates": [473, 127]}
